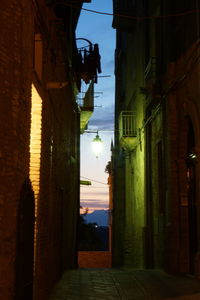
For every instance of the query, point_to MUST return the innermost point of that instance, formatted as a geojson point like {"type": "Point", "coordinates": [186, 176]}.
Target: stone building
{"type": "Point", "coordinates": [39, 145]}
{"type": "Point", "coordinates": [156, 217]}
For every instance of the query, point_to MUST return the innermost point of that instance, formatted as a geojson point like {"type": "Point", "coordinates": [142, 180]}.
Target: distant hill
{"type": "Point", "coordinates": [98, 216]}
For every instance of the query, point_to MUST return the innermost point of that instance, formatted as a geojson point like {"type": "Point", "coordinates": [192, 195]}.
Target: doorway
{"type": "Point", "coordinates": [191, 194]}
{"type": "Point", "coordinates": [25, 243]}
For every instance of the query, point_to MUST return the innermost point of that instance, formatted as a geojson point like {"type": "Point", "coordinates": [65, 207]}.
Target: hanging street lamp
{"type": "Point", "coordinates": [97, 145]}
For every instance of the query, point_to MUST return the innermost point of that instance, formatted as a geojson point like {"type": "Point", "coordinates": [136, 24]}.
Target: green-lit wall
{"type": "Point", "coordinates": [157, 77]}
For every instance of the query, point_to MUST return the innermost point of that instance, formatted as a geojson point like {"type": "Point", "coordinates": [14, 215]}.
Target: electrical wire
{"type": "Point", "coordinates": [137, 18]}
{"type": "Point", "coordinates": [93, 187]}
{"type": "Point", "coordinates": [192, 61]}
{"type": "Point", "coordinates": [94, 180]}
{"type": "Point", "coordinates": [99, 130]}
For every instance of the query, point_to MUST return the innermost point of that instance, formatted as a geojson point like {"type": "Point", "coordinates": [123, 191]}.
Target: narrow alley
{"type": "Point", "coordinates": [124, 284]}
{"type": "Point", "coordinates": [127, 71]}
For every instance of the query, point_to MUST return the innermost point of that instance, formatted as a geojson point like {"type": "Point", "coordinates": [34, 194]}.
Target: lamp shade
{"type": "Point", "coordinates": [97, 145]}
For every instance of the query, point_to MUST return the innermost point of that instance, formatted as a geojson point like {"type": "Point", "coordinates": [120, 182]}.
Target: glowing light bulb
{"type": "Point", "coordinates": [97, 145]}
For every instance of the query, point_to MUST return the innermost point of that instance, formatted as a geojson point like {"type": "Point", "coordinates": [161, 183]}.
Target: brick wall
{"type": "Point", "coordinates": [94, 259]}
{"type": "Point", "coordinates": [59, 170]}
{"type": "Point", "coordinates": [15, 71]}
{"type": "Point", "coordinates": [58, 198]}
{"type": "Point", "coordinates": [182, 103]}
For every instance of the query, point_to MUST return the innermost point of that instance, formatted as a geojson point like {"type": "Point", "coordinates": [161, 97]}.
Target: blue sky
{"type": "Point", "coordinates": [98, 29]}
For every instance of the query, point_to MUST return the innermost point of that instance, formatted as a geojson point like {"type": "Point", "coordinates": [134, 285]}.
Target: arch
{"type": "Point", "coordinates": [188, 152]}
{"type": "Point", "coordinates": [191, 110]}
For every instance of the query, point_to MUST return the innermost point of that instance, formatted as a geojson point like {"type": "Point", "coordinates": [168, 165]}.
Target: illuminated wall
{"type": "Point", "coordinates": [35, 145]}
{"type": "Point", "coordinates": [129, 171]}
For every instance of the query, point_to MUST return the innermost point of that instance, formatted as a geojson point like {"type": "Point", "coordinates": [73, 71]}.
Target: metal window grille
{"type": "Point", "coordinates": [127, 124]}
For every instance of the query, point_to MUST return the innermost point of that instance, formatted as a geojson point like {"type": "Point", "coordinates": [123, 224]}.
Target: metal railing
{"type": "Point", "coordinates": [127, 124]}
{"type": "Point", "coordinates": [87, 102]}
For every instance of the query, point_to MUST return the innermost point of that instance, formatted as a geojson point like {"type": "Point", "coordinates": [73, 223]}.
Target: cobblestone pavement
{"type": "Point", "coordinates": [110, 284]}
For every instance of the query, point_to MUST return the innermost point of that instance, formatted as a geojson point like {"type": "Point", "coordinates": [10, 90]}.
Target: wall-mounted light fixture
{"type": "Point", "coordinates": [192, 156]}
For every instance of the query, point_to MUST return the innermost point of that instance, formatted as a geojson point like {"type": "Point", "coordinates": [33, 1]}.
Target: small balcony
{"type": "Point", "coordinates": [86, 105]}
{"type": "Point", "coordinates": [127, 130]}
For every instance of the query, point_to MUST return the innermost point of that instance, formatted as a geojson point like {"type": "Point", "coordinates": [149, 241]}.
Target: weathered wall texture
{"type": "Point", "coordinates": [94, 259]}
{"type": "Point", "coordinates": [16, 51]}
{"type": "Point", "coordinates": [183, 104]}
{"type": "Point", "coordinates": [156, 183]}
{"type": "Point", "coordinates": [57, 201]}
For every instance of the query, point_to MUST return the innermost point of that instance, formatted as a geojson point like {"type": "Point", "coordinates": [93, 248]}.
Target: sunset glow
{"type": "Point", "coordinates": [94, 198]}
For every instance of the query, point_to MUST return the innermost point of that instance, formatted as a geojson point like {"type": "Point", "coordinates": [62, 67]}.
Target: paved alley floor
{"type": "Point", "coordinates": [110, 284]}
